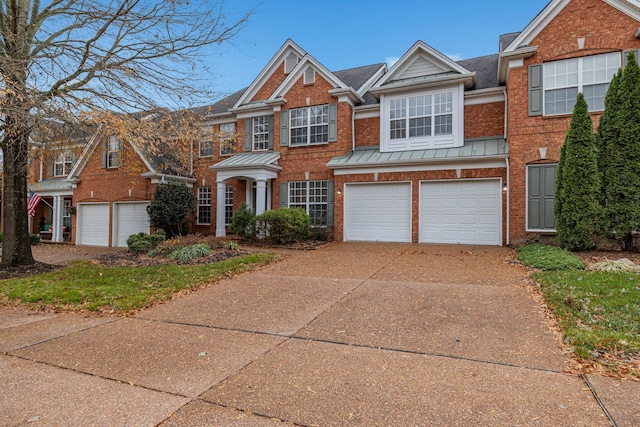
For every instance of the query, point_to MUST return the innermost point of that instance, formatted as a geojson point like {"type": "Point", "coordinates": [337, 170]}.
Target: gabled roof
{"type": "Point", "coordinates": [421, 64]}
{"type": "Point", "coordinates": [486, 68]}
{"type": "Point", "coordinates": [524, 38]}
{"type": "Point", "coordinates": [220, 107]}
{"type": "Point", "coordinates": [287, 48]}
{"type": "Point", "coordinates": [298, 71]}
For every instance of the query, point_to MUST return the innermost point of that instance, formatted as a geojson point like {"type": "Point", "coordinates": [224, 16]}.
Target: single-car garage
{"type": "Point", "coordinates": [93, 224]}
{"type": "Point", "coordinates": [377, 212]}
{"type": "Point", "coordinates": [461, 211]}
{"type": "Point", "coordinates": [129, 218]}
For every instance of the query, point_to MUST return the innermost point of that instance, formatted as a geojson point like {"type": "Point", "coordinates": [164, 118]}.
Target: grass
{"type": "Point", "coordinates": [548, 258]}
{"type": "Point", "coordinates": [599, 311]}
{"type": "Point", "coordinates": [84, 285]}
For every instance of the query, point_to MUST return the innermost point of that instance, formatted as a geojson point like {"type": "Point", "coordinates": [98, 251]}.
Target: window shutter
{"type": "Point", "coordinates": [104, 154]}
{"type": "Point", "coordinates": [52, 161]}
{"type": "Point", "coordinates": [284, 128]}
{"type": "Point", "coordinates": [283, 195]}
{"type": "Point", "coordinates": [270, 125]}
{"type": "Point", "coordinates": [625, 53]}
{"type": "Point", "coordinates": [535, 90]}
{"type": "Point", "coordinates": [333, 119]}
{"type": "Point", "coordinates": [330, 201]}
{"type": "Point", "coordinates": [247, 134]}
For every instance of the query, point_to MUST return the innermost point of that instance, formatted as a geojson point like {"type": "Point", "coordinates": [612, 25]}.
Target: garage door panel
{"type": "Point", "coordinates": [129, 218]}
{"type": "Point", "coordinates": [378, 212]}
{"type": "Point", "coordinates": [461, 212]}
{"type": "Point", "coordinates": [93, 224]}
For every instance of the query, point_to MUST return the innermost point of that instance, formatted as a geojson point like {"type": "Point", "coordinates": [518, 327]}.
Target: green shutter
{"type": "Point", "coordinates": [270, 126]}
{"type": "Point", "coordinates": [330, 202]}
{"type": "Point", "coordinates": [626, 52]}
{"type": "Point", "coordinates": [284, 128]}
{"type": "Point", "coordinates": [535, 90]}
{"type": "Point", "coordinates": [247, 134]}
{"type": "Point", "coordinates": [283, 195]}
{"type": "Point", "coordinates": [104, 154]}
{"type": "Point", "coordinates": [541, 194]}
{"type": "Point", "coordinates": [333, 119]}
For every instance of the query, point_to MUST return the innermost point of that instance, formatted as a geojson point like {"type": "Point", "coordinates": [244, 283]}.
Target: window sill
{"type": "Point", "coordinates": [308, 145]}
{"type": "Point", "coordinates": [543, 231]}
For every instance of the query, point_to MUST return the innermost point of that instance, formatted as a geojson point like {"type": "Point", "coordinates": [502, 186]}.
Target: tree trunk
{"type": "Point", "coordinates": [16, 247]}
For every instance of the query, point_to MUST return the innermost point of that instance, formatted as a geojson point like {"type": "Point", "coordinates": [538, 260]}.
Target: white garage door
{"type": "Point", "coordinates": [465, 211]}
{"type": "Point", "coordinates": [128, 219]}
{"type": "Point", "coordinates": [378, 212]}
{"type": "Point", "coordinates": [93, 224]}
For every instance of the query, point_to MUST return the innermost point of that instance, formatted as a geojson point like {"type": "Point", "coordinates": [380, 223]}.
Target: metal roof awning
{"type": "Point", "coordinates": [255, 165]}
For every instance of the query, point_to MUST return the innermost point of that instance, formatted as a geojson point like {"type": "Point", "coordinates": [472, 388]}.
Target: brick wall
{"type": "Point", "coordinates": [605, 29]}
{"type": "Point", "coordinates": [367, 132]}
{"type": "Point", "coordinates": [483, 120]}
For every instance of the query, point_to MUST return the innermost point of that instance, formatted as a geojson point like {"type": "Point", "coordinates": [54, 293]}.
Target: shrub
{"type": "Point", "coordinates": [142, 242]}
{"type": "Point", "coordinates": [285, 225]}
{"type": "Point", "coordinates": [243, 222]}
{"type": "Point", "coordinates": [187, 253]}
{"type": "Point", "coordinates": [548, 258]}
{"type": "Point", "coordinates": [35, 238]}
{"type": "Point", "coordinates": [171, 204]}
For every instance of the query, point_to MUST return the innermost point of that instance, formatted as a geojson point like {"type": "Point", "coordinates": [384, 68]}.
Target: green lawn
{"type": "Point", "coordinates": [599, 311]}
{"type": "Point", "coordinates": [84, 285]}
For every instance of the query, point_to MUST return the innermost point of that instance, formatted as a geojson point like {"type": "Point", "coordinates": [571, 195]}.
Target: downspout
{"type": "Point", "coordinates": [353, 129]}
{"type": "Point", "coordinates": [41, 165]}
{"type": "Point", "coordinates": [191, 156]}
{"type": "Point", "coordinates": [506, 161]}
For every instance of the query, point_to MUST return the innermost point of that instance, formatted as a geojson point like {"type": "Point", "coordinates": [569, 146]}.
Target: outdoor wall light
{"type": "Point", "coordinates": [504, 187]}
{"type": "Point", "coordinates": [339, 191]}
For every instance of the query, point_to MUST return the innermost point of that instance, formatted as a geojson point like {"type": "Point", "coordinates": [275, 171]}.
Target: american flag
{"type": "Point", "coordinates": [32, 203]}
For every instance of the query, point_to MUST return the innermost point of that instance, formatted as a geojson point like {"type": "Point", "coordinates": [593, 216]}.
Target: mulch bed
{"type": "Point", "coordinates": [26, 270]}
{"type": "Point", "coordinates": [128, 259]}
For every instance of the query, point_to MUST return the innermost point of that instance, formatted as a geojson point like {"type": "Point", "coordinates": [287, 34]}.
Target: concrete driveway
{"type": "Point", "coordinates": [350, 334]}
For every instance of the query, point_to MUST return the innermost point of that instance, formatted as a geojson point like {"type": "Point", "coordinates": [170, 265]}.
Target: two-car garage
{"type": "Point", "coordinates": [92, 223]}
{"type": "Point", "coordinates": [465, 211]}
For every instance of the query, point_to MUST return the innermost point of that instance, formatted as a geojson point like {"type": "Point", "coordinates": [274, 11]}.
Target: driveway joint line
{"type": "Point", "coordinates": [597, 398]}
{"type": "Point", "coordinates": [91, 374]}
{"type": "Point", "coordinates": [347, 344]}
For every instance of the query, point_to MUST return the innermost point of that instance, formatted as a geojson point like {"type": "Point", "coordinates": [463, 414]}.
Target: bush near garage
{"type": "Point", "coordinates": [142, 243]}
{"type": "Point", "coordinates": [285, 225]}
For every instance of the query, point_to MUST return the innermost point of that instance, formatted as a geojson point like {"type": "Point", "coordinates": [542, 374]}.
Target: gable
{"type": "Point", "coordinates": [419, 66]}
{"type": "Point", "coordinates": [273, 74]}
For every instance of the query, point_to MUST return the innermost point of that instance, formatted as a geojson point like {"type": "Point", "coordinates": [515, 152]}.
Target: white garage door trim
{"type": "Point", "coordinates": [92, 224]}
{"type": "Point", "coordinates": [378, 211]}
{"type": "Point", "coordinates": [126, 223]}
{"type": "Point", "coordinates": [461, 211]}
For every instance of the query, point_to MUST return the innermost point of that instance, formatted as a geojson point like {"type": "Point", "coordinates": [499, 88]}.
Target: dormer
{"type": "Point", "coordinates": [422, 101]}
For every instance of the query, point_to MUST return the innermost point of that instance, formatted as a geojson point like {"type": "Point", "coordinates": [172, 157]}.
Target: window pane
{"type": "Point", "coordinates": [594, 95]}
{"type": "Point", "coordinates": [204, 205]}
{"type": "Point", "coordinates": [397, 108]}
{"type": "Point", "coordinates": [443, 125]}
{"type": "Point", "coordinates": [443, 103]}
{"type": "Point", "coordinates": [228, 204]}
{"type": "Point", "coordinates": [398, 129]}
{"type": "Point", "coordinates": [420, 127]}
{"type": "Point", "coordinates": [560, 101]}
{"type": "Point", "coordinates": [260, 133]}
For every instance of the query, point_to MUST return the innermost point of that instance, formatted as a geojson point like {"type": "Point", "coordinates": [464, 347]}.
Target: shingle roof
{"type": "Point", "coordinates": [163, 159]}
{"type": "Point", "coordinates": [472, 148]}
{"type": "Point", "coordinates": [506, 39]}
{"type": "Point", "coordinates": [486, 68]}
{"type": "Point", "coordinates": [356, 77]}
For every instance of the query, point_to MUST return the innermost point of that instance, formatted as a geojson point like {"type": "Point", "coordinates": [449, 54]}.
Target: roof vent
{"type": "Point", "coordinates": [290, 62]}
{"type": "Point", "coordinates": [309, 76]}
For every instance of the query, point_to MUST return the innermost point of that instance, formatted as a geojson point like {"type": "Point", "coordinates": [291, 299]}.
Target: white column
{"type": "Point", "coordinates": [58, 206]}
{"type": "Point", "coordinates": [261, 196]}
{"type": "Point", "coordinates": [220, 193]}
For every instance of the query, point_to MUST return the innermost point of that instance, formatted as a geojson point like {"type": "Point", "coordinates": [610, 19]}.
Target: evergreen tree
{"type": "Point", "coordinates": [172, 203]}
{"type": "Point", "coordinates": [578, 182]}
{"type": "Point", "coordinates": [608, 133]}
{"type": "Point", "coordinates": [621, 156]}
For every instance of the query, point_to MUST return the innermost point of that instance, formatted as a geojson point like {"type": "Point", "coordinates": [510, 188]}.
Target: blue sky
{"type": "Point", "coordinates": [346, 34]}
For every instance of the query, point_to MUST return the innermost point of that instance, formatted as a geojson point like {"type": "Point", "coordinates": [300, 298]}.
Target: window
{"type": "Point", "coordinates": [428, 119]}
{"type": "Point", "coordinates": [312, 196]}
{"type": "Point", "coordinates": [227, 139]}
{"type": "Point", "coordinates": [309, 125]}
{"type": "Point", "coordinates": [590, 75]}
{"type": "Point", "coordinates": [261, 133]}
{"type": "Point", "coordinates": [541, 184]}
{"type": "Point", "coordinates": [204, 205]}
{"type": "Point", "coordinates": [63, 163]}
{"type": "Point", "coordinates": [206, 148]}
{"type": "Point", "coordinates": [228, 204]}
{"type": "Point", "coordinates": [113, 152]}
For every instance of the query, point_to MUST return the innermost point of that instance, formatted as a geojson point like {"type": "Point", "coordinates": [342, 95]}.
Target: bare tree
{"type": "Point", "coordinates": [61, 57]}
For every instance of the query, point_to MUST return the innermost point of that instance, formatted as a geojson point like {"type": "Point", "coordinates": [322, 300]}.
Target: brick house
{"type": "Point", "coordinates": [429, 150]}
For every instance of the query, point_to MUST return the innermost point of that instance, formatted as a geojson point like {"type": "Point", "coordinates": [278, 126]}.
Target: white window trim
{"type": "Point", "coordinates": [308, 126]}
{"type": "Point", "coordinates": [254, 134]}
{"type": "Point", "coordinates": [207, 141]}
{"type": "Point", "coordinates": [580, 85]}
{"type": "Point", "coordinates": [227, 138]}
{"type": "Point", "coordinates": [307, 203]}
{"type": "Point", "coordinates": [526, 208]}
{"type": "Point", "coordinates": [202, 203]}
{"type": "Point", "coordinates": [113, 162]}
{"type": "Point", "coordinates": [64, 159]}
{"type": "Point", "coordinates": [455, 139]}
{"type": "Point", "coordinates": [228, 191]}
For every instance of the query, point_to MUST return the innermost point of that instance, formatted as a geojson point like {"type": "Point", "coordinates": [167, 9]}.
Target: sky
{"type": "Point", "coordinates": [347, 33]}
